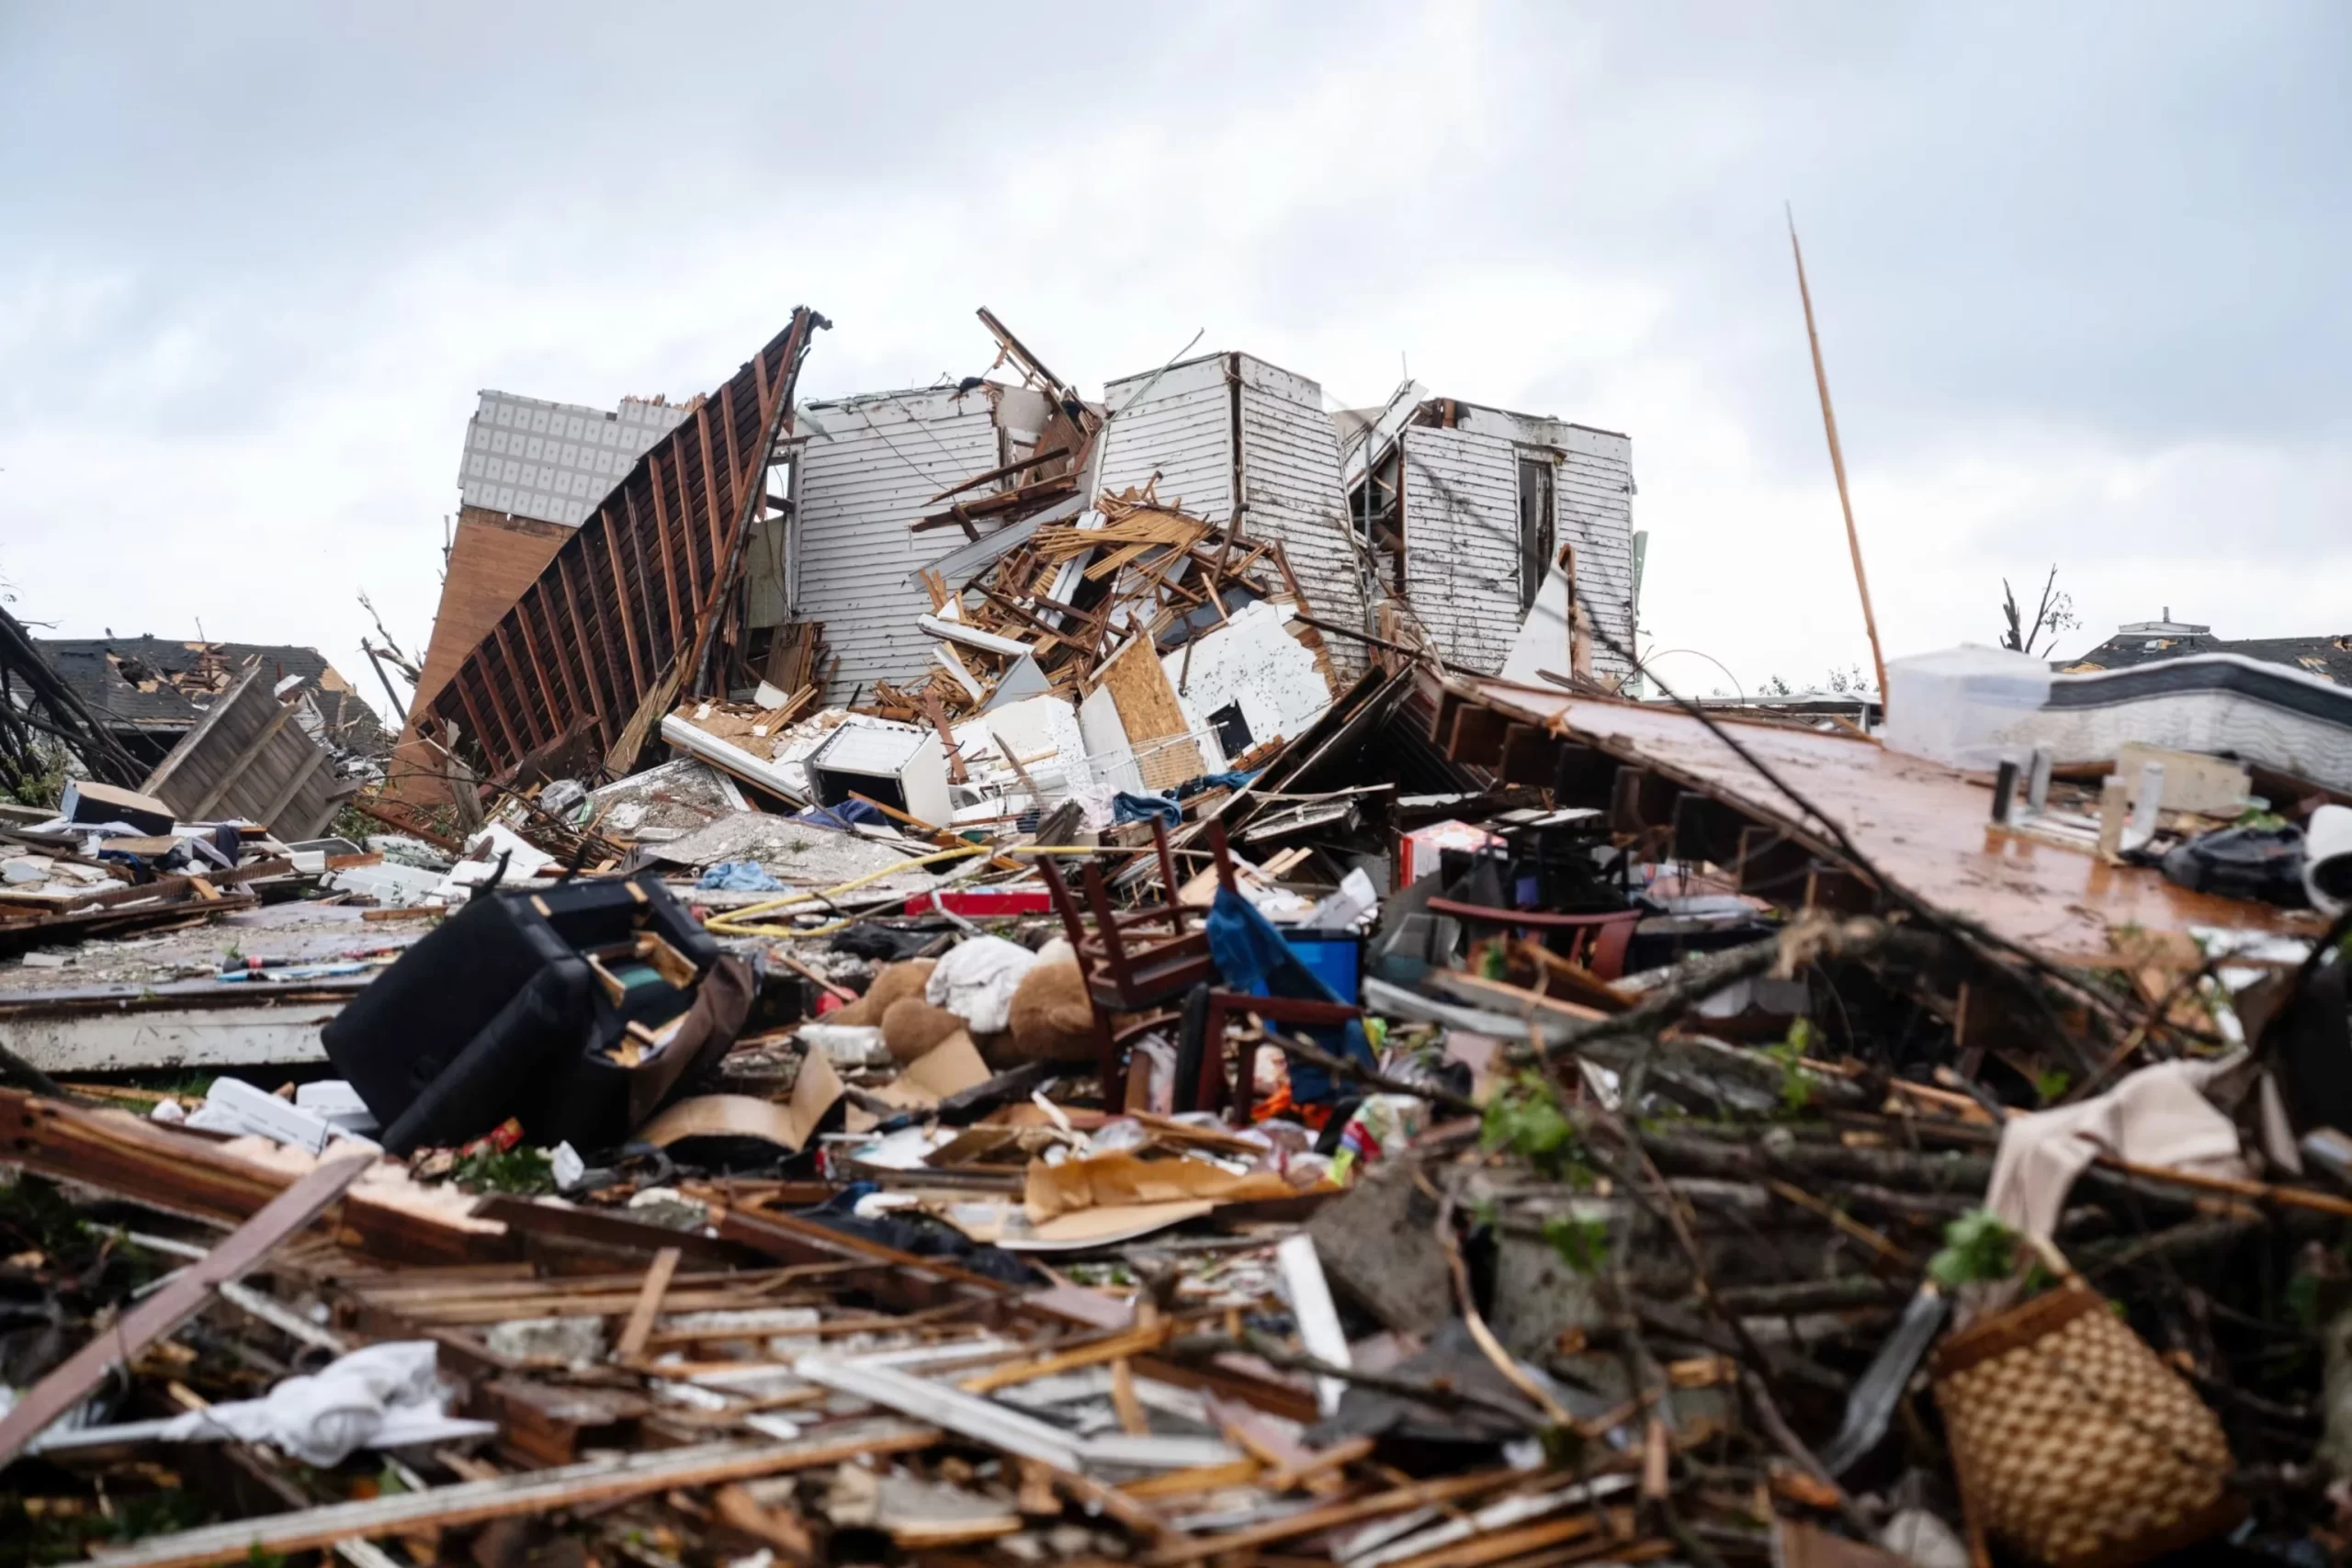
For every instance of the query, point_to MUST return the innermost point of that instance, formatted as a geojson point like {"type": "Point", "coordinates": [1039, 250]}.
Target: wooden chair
{"type": "Point", "coordinates": [1207, 1088]}
{"type": "Point", "coordinates": [1146, 958]}
{"type": "Point", "coordinates": [1596, 942]}
{"type": "Point", "coordinates": [1136, 960]}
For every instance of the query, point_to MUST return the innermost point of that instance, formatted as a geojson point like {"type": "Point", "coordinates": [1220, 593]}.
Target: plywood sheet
{"type": "Point", "coordinates": [1149, 713]}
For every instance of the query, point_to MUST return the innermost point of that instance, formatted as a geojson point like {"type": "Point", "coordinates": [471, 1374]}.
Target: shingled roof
{"type": "Point", "coordinates": [2329, 658]}
{"type": "Point", "coordinates": [156, 686]}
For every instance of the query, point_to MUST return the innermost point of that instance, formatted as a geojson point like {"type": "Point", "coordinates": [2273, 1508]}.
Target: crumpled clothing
{"type": "Point", "coordinates": [975, 979]}
{"type": "Point", "coordinates": [2157, 1116]}
{"type": "Point", "coordinates": [1128, 807]}
{"type": "Point", "coordinates": [348, 1405]}
{"type": "Point", "coordinates": [739, 876]}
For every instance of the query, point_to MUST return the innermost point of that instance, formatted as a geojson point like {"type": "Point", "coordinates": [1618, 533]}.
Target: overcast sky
{"type": "Point", "coordinates": [2079, 270]}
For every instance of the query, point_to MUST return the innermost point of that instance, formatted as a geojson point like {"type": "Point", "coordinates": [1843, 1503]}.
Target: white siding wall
{"type": "Point", "coordinates": [1462, 542]}
{"type": "Point", "coordinates": [1592, 490]}
{"type": "Point", "coordinates": [1290, 475]}
{"type": "Point", "coordinates": [1595, 491]}
{"type": "Point", "coordinates": [1182, 430]}
{"type": "Point", "coordinates": [855, 489]}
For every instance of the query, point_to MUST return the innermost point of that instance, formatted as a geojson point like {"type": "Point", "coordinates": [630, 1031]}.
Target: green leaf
{"type": "Point", "coordinates": [1583, 1245]}
{"type": "Point", "coordinates": [1977, 1248]}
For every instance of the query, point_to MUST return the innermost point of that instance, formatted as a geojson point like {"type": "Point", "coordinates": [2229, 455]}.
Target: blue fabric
{"type": "Point", "coordinates": [1191, 787]}
{"type": "Point", "coordinates": [739, 876]}
{"type": "Point", "coordinates": [1250, 955]}
{"type": "Point", "coordinates": [842, 817]}
{"type": "Point", "coordinates": [1127, 807]}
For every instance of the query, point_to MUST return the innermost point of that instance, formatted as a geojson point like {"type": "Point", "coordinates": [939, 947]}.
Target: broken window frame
{"type": "Point", "coordinates": [1539, 526]}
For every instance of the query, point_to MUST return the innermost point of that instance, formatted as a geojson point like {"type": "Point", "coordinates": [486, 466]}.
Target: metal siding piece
{"type": "Point", "coordinates": [867, 472]}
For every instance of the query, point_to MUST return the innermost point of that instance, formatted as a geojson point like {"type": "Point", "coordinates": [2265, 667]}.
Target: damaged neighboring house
{"type": "Point", "coordinates": [532, 472]}
{"type": "Point", "coordinates": [2149, 642]}
{"type": "Point", "coordinates": [638, 602]}
{"type": "Point", "coordinates": [149, 691]}
{"type": "Point", "coordinates": [1465, 507]}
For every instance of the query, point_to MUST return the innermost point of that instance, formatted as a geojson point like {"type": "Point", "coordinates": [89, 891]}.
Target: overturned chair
{"type": "Point", "coordinates": [1156, 963]}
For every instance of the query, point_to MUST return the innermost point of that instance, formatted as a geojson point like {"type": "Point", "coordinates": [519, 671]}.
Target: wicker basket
{"type": "Point", "coordinates": [2074, 1444]}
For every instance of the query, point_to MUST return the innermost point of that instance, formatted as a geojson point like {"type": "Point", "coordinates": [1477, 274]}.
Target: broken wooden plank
{"type": "Point", "coordinates": [180, 1300]}
{"type": "Point", "coordinates": [531, 1492]}
{"type": "Point", "coordinates": [649, 1305]}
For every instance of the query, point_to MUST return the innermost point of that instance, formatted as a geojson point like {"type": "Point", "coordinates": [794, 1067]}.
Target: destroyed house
{"type": "Point", "coordinates": [1226, 438]}
{"type": "Point", "coordinates": [149, 691]}
{"type": "Point", "coordinates": [641, 600]}
{"type": "Point", "coordinates": [1467, 505]}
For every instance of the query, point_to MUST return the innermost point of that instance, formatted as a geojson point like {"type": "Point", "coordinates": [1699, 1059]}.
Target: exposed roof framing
{"type": "Point", "coordinates": [628, 613]}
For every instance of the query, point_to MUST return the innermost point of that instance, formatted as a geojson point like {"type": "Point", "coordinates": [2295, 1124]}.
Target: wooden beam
{"type": "Point", "coordinates": [709, 501]}
{"type": "Point", "coordinates": [481, 728]}
{"type": "Point", "coordinates": [639, 1328]}
{"type": "Point", "coordinates": [1314, 1521]}
{"type": "Point", "coordinates": [608, 691]}
{"type": "Point", "coordinates": [643, 1473]}
{"type": "Point", "coordinates": [534, 598]}
{"type": "Point", "coordinates": [661, 532]}
{"type": "Point", "coordinates": [641, 599]}
{"type": "Point", "coordinates": [518, 739]}
{"type": "Point", "coordinates": [549, 692]}
{"type": "Point", "coordinates": [312, 761]}
{"type": "Point", "coordinates": [543, 731]}
{"type": "Point", "coordinates": [498, 675]}
{"type": "Point", "coordinates": [737, 515]}
{"type": "Point", "coordinates": [620, 601]}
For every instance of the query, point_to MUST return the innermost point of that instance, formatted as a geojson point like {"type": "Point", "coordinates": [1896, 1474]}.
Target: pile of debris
{"type": "Point", "coordinates": [1088, 1070]}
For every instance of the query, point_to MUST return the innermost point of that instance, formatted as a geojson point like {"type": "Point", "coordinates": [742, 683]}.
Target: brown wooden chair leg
{"type": "Point", "coordinates": [1213, 1095]}
{"type": "Point", "coordinates": [1110, 1062]}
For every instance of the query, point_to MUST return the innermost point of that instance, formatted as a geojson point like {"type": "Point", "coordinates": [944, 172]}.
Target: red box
{"type": "Point", "coordinates": [979, 902]}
